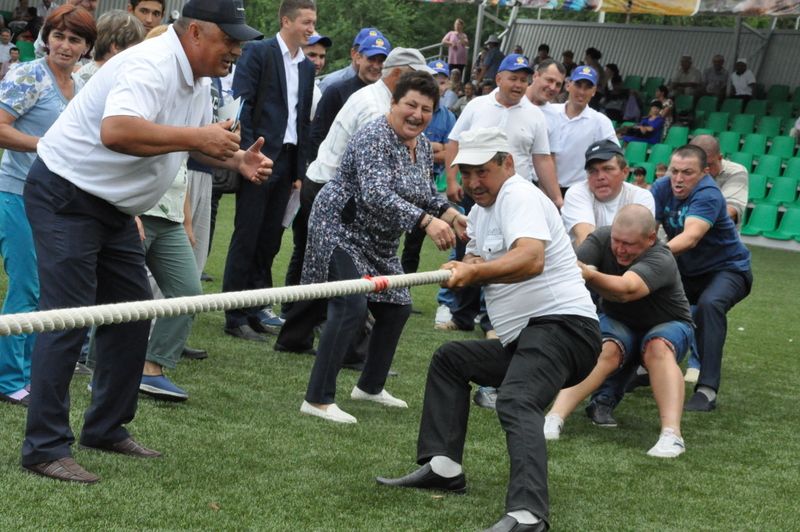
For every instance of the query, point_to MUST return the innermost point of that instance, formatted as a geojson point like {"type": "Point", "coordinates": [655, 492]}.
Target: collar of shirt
{"type": "Point", "coordinates": [298, 58]}
{"type": "Point", "coordinates": [583, 114]}
{"type": "Point", "coordinates": [521, 103]}
{"type": "Point", "coordinates": [174, 43]}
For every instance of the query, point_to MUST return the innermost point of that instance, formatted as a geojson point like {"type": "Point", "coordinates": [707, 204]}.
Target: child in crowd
{"type": "Point", "coordinates": [640, 177]}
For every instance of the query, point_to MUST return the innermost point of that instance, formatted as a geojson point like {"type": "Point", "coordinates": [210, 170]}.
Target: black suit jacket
{"type": "Point", "coordinates": [260, 69]}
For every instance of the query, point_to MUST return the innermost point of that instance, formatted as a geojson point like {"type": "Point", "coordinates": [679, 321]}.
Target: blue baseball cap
{"type": "Point", "coordinates": [320, 39]}
{"type": "Point", "coordinates": [584, 72]}
{"type": "Point", "coordinates": [515, 62]}
{"type": "Point", "coordinates": [440, 67]}
{"type": "Point", "coordinates": [375, 45]}
{"type": "Point", "coordinates": [363, 34]}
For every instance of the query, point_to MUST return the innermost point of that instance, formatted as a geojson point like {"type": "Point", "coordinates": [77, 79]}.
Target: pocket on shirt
{"type": "Point", "coordinates": [492, 246]}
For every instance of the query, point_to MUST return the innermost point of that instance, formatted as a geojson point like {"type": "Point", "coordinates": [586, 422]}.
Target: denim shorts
{"type": "Point", "coordinates": [679, 335]}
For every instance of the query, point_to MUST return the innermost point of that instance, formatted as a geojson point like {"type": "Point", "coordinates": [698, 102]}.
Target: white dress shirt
{"type": "Point", "coordinates": [292, 88]}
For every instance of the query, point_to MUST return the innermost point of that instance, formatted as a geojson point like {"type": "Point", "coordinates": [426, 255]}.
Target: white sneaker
{"type": "Point", "coordinates": [552, 426]}
{"type": "Point", "coordinates": [384, 398]}
{"type": "Point", "coordinates": [443, 314]}
{"type": "Point", "coordinates": [669, 445]}
{"type": "Point", "coordinates": [333, 413]}
{"type": "Point", "coordinates": [692, 374]}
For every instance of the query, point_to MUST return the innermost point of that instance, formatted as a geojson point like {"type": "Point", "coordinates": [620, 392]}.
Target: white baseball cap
{"type": "Point", "coordinates": [478, 146]}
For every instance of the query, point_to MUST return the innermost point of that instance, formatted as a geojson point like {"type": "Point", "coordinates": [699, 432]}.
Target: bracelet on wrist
{"type": "Point", "coordinates": [426, 222]}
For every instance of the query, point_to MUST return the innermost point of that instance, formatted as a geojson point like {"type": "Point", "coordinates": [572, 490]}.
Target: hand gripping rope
{"type": "Point", "coordinates": [74, 318]}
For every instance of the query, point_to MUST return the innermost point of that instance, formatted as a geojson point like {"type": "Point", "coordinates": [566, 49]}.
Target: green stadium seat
{"type": "Point", "coordinates": [696, 132]}
{"type": "Point", "coordinates": [717, 122]}
{"type": "Point", "coordinates": [754, 143]}
{"type": "Point", "coordinates": [787, 124]}
{"type": "Point", "coordinates": [677, 136]}
{"type": "Point", "coordinates": [783, 147]}
{"type": "Point", "coordinates": [743, 123]}
{"type": "Point", "coordinates": [707, 104]}
{"type": "Point", "coordinates": [792, 168]}
{"type": "Point", "coordinates": [652, 84]}
{"type": "Point", "coordinates": [729, 142]}
{"type": "Point", "coordinates": [636, 152]}
{"type": "Point", "coordinates": [745, 159]}
{"type": "Point", "coordinates": [778, 93]}
{"type": "Point", "coordinates": [684, 103]}
{"type": "Point", "coordinates": [26, 50]}
{"type": "Point", "coordinates": [660, 153]}
{"type": "Point", "coordinates": [789, 226]}
{"type": "Point", "coordinates": [732, 106]}
{"type": "Point", "coordinates": [763, 218]}
{"type": "Point", "coordinates": [782, 109]}
{"type": "Point", "coordinates": [633, 83]}
{"type": "Point", "coordinates": [769, 126]}
{"type": "Point", "coordinates": [756, 107]}
{"type": "Point", "coordinates": [756, 187]}
{"type": "Point", "coordinates": [769, 165]}
{"type": "Point", "coordinates": [796, 97]}
{"type": "Point", "coordinates": [783, 191]}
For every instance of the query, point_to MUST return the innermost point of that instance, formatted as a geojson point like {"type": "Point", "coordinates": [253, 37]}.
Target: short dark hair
{"type": "Point", "coordinates": [594, 53]}
{"type": "Point", "coordinates": [13, 49]}
{"type": "Point", "coordinates": [416, 80]}
{"type": "Point", "coordinates": [5, 30]}
{"type": "Point", "coordinates": [289, 8]}
{"type": "Point", "coordinates": [640, 170]}
{"type": "Point", "coordinates": [73, 18]}
{"type": "Point", "coordinates": [543, 48]}
{"type": "Point", "coordinates": [691, 151]}
{"type": "Point", "coordinates": [135, 3]}
{"type": "Point", "coordinates": [544, 65]}
{"type": "Point", "coordinates": [663, 89]}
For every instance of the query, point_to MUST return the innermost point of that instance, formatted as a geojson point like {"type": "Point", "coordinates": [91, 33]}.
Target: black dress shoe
{"type": "Point", "coordinates": [206, 278]}
{"type": "Point", "coordinates": [194, 354]}
{"type": "Point", "coordinates": [424, 478]}
{"type": "Point", "coordinates": [245, 332]}
{"type": "Point", "coordinates": [509, 524]}
{"type": "Point", "coordinates": [300, 350]}
{"type": "Point", "coordinates": [700, 403]}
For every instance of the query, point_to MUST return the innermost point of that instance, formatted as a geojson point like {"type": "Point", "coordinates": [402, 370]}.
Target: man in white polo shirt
{"type": "Point", "coordinates": [576, 126]}
{"type": "Point", "coordinates": [594, 202]}
{"type": "Point", "coordinates": [549, 336]}
{"type": "Point", "coordinates": [111, 155]}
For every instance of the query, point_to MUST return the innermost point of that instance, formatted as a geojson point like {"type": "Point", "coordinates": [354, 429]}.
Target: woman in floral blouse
{"type": "Point", "coordinates": [382, 189]}
{"type": "Point", "coordinates": [32, 95]}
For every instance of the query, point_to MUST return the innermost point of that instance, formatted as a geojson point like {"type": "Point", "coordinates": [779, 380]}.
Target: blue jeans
{"type": "Point", "coordinates": [19, 260]}
{"type": "Point", "coordinates": [680, 335]}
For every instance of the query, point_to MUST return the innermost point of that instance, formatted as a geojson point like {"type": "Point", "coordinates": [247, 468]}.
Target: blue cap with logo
{"type": "Point", "coordinates": [320, 39]}
{"type": "Point", "coordinates": [514, 62]}
{"type": "Point", "coordinates": [440, 67]}
{"type": "Point", "coordinates": [584, 72]}
{"type": "Point", "coordinates": [373, 45]}
{"type": "Point", "coordinates": [363, 34]}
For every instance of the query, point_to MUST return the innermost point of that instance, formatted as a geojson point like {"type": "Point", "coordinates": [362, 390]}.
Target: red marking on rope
{"type": "Point", "coordinates": [381, 283]}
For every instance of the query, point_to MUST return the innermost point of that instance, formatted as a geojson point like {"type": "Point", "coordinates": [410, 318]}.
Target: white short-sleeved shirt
{"type": "Point", "coordinates": [580, 205]}
{"type": "Point", "coordinates": [364, 105]}
{"type": "Point", "coordinates": [524, 124]}
{"type": "Point", "coordinates": [571, 137]}
{"type": "Point", "coordinates": [153, 81]}
{"type": "Point", "coordinates": [523, 211]}
{"type": "Point", "coordinates": [741, 83]}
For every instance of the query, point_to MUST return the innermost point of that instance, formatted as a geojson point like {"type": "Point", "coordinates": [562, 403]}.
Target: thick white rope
{"type": "Point", "coordinates": [74, 318]}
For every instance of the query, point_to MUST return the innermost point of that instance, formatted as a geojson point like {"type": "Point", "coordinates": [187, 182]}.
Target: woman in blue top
{"type": "Point", "coordinates": [32, 95]}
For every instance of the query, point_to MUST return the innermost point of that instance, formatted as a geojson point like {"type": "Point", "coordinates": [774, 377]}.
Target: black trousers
{"type": "Point", "coordinates": [346, 315]}
{"type": "Point", "coordinates": [308, 193]}
{"type": "Point", "coordinates": [551, 353]}
{"type": "Point", "coordinates": [257, 233]}
{"type": "Point", "coordinates": [88, 253]}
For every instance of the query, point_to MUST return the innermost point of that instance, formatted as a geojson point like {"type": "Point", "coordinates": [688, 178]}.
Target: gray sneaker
{"type": "Point", "coordinates": [486, 397]}
{"type": "Point", "coordinates": [600, 414]}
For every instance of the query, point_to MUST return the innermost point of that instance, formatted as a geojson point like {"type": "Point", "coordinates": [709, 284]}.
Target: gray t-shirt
{"type": "Point", "coordinates": [657, 268]}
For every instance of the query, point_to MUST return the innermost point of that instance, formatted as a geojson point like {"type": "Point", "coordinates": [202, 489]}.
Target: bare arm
{"type": "Point", "coordinates": [580, 231]}
{"type": "Point", "coordinates": [694, 229]}
{"type": "Point", "coordinates": [12, 139]}
{"type": "Point", "coordinates": [548, 180]}
{"type": "Point", "coordinates": [454, 191]}
{"type": "Point", "coordinates": [523, 261]}
{"type": "Point", "coordinates": [439, 153]}
{"type": "Point", "coordinates": [618, 288]}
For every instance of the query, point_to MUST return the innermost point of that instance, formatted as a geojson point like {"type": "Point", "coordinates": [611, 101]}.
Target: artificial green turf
{"type": "Point", "coordinates": [239, 456]}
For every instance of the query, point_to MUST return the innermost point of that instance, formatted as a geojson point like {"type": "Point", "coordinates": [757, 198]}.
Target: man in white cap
{"type": "Point", "coordinates": [112, 154]}
{"type": "Point", "coordinates": [743, 81]}
{"type": "Point", "coordinates": [520, 251]}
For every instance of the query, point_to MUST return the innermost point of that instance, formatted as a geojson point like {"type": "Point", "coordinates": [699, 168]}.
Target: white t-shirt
{"type": "Point", "coordinates": [571, 137]}
{"type": "Point", "coordinates": [153, 81]}
{"type": "Point", "coordinates": [5, 55]}
{"type": "Point", "coordinates": [523, 211]}
{"type": "Point", "coordinates": [580, 205]}
{"type": "Point", "coordinates": [741, 83]}
{"type": "Point", "coordinates": [364, 105]}
{"type": "Point", "coordinates": [523, 123]}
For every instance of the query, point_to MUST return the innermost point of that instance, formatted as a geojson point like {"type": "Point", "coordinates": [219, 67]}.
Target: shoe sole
{"type": "Point", "coordinates": [605, 425]}
{"type": "Point", "coordinates": [164, 395]}
{"type": "Point", "coordinates": [657, 455]}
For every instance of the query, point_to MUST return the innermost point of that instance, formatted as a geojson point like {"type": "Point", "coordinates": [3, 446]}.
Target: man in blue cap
{"type": "Point", "coordinates": [574, 126]}
{"type": "Point", "coordinates": [447, 97]}
{"type": "Point", "coordinates": [350, 70]}
{"type": "Point", "coordinates": [317, 51]}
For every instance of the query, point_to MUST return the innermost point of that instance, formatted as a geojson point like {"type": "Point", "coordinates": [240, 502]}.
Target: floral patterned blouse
{"type": "Point", "coordinates": [377, 194]}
